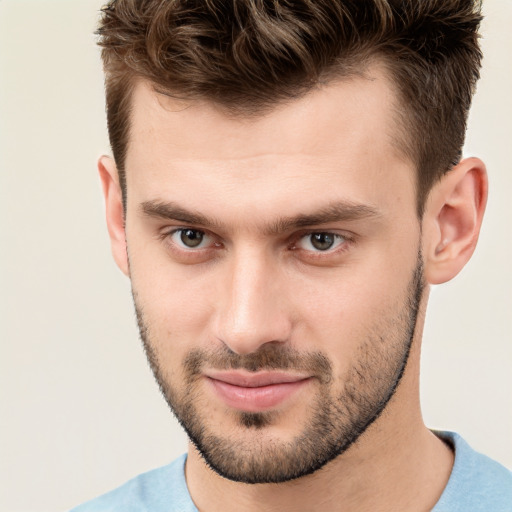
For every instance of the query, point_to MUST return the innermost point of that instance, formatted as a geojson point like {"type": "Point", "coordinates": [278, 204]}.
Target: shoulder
{"type": "Point", "coordinates": [157, 490]}
{"type": "Point", "coordinates": [477, 483]}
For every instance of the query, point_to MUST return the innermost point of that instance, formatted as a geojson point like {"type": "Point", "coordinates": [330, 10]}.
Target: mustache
{"type": "Point", "coordinates": [268, 357]}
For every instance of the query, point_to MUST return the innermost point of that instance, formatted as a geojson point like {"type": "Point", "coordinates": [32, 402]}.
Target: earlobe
{"type": "Point", "coordinates": [452, 220]}
{"type": "Point", "coordinates": [114, 211]}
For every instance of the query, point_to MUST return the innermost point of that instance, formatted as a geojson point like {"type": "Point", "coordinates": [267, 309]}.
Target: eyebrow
{"type": "Point", "coordinates": [332, 212]}
{"type": "Point", "coordinates": [173, 211]}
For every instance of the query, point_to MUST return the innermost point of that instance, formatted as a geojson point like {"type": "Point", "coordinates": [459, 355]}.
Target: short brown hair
{"type": "Point", "coordinates": [249, 55]}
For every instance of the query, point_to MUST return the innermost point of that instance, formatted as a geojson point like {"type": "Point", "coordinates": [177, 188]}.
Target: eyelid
{"type": "Point", "coordinates": [167, 236]}
{"type": "Point", "coordinates": [347, 240]}
{"type": "Point", "coordinates": [215, 242]}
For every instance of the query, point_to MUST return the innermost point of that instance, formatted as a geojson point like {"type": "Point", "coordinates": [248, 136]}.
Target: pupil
{"type": "Point", "coordinates": [191, 238]}
{"type": "Point", "coordinates": [322, 241]}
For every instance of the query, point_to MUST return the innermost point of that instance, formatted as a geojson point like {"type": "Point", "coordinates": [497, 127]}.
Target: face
{"type": "Point", "coordinates": [276, 271]}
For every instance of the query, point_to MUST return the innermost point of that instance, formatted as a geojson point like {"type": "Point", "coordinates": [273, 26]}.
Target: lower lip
{"type": "Point", "coordinates": [256, 399]}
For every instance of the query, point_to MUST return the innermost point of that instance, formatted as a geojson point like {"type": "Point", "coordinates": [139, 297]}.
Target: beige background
{"type": "Point", "coordinates": [80, 413]}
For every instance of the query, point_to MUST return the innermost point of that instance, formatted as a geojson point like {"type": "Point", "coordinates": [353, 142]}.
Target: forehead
{"type": "Point", "coordinates": [338, 136]}
{"type": "Point", "coordinates": [360, 102]}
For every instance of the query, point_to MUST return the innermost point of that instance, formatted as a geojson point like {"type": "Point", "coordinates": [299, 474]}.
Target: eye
{"type": "Point", "coordinates": [190, 238]}
{"type": "Point", "coordinates": [321, 241]}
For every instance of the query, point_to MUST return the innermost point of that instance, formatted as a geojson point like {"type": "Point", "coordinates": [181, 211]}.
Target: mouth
{"type": "Point", "coordinates": [255, 392]}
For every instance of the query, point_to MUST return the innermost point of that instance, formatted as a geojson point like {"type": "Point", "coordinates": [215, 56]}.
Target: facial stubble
{"type": "Point", "coordinates": [337, 420]}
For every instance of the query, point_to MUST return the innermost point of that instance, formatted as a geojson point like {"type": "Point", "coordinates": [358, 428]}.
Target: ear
{"type": "Point", "coordinates": [452, 220]}
{"type": "Point", "coordinates": [114, 211]}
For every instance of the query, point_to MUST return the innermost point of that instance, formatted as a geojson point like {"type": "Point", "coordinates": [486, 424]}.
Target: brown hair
{"type": "Point", "coordinates": [248, 55]}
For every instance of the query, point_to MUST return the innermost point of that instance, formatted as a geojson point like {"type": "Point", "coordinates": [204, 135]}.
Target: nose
{"type": "Point", "coordinates": [253, 311]}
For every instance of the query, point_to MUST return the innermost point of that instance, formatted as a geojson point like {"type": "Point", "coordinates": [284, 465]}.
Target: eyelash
{"type": "Point", "coordinates": [170, 234]}
{"type": "Point", "coordinates": [346, 242]}
{"type": "Point", "coordinates": [307, 237]}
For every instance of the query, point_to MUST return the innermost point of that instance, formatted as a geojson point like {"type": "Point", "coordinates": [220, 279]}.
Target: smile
{"type": "Point", "coordinates": [255, 392]}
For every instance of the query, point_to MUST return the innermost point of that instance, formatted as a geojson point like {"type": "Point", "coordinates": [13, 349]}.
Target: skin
{"type": "Point", "coordinates": [252, 287]}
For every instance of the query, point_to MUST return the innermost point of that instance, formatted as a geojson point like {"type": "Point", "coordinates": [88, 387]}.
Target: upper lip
{"type": "Point", "coordinates": [247, 379]}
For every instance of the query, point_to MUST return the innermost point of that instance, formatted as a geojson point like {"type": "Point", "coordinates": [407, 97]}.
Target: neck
{"type": "Point", "coordinates": [406, 469]}
{"type": "Point", "coordinates": [409, 474]}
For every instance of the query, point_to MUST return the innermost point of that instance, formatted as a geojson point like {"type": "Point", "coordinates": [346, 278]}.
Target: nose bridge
{"type": "Point", "coordinates": [253, 312]}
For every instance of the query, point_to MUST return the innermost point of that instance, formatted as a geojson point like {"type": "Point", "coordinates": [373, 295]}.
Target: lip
{"type": "Point", "coordinates": [255, 392]}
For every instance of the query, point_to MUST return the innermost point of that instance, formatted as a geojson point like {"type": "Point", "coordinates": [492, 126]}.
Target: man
{"type": "Point", "coordinates": [286, 185]}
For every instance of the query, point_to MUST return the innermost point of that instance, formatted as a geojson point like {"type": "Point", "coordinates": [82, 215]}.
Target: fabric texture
{"type": "Point", "coordinates": [476, 484]}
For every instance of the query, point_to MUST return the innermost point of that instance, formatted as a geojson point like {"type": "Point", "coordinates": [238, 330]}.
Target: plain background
{"type": "Point", "coordinates": [80, 413]}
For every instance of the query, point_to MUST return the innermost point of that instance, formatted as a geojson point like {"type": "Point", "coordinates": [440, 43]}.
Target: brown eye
{"type": "Point", "coordinates": [321, 241]}
{"type": "Point", "coordinates": [190, 238]}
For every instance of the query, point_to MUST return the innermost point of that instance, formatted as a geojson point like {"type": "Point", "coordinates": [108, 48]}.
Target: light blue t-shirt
{"type": "Point", "coordinates": [476, 484]}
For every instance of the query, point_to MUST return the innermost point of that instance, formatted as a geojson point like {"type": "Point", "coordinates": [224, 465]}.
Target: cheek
{"type": "Point", "coordinates": [339, 313]}
{"type": "Point", "coordinates": [177, 307]}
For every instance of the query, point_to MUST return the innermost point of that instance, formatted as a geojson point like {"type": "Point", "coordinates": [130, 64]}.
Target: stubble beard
{"type": "Point", "coordinates": [337, 418]}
